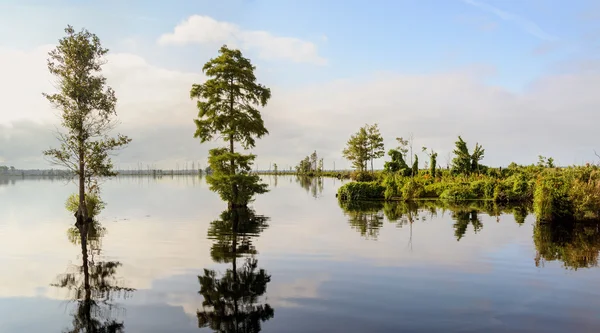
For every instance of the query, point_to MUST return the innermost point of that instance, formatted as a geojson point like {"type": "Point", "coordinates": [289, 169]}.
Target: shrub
{"type": "Point", "coordinates": [551, 201]}
{"type": "Point", "coordinates": [362, 176]}
{"type": "Point", "coordinates": [361, 191]}
{"type": "Point", "coordinates": [458, 193]}
{"type": "Point", "coordinates": [585, 196]}
{"type": "Point", "coordinates": [412, 189]}
{"type": "Point", "coordinates": [92, 201]}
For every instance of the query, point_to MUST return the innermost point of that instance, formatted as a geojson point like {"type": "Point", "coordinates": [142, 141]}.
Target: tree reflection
{"type": "Point", "coordinates": [366, 217]}
{"type": "Point", "coordinates": [93, 286]}
{"type": "Point", "coordinates": [232, 302]}
{"type": "Point", "coordinates": [577, 245]}
{"type": "Point", "coordinates": [463, 218]}
{"type": "Point", "coordinates": [312, 185]}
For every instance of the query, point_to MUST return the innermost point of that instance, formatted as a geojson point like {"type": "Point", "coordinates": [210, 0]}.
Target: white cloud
{"type": "Point", "coordinates": [555, 115]}
{"type": "Point", "coordinates": [206, 30]}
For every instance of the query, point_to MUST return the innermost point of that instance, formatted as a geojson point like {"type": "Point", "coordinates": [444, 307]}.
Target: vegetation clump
{"type": "Point", "coordinates": [557, 194]}
{"type": "Point", "coordinates": [361, 191]}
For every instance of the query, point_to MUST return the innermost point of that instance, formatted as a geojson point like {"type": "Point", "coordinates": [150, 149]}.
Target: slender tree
{"type": "Point", "coordinates": [357, 149]}
{"type": "Point", "coordinates": [227, 104]}
{"type": "Point", "coordinates": [375, 142]}
{"type": "Point", "coordinates": [87, 111]}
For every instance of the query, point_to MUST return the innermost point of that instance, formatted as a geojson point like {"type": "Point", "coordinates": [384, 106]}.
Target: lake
{"type": "Point", "coordinates": [305, 263]}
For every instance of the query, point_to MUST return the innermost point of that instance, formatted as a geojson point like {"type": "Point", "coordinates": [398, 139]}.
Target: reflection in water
{"type": "Point", "coordinates": [93, 285]}
{"type": "Point", "coordinates": [575, 244]}
{"type": "Point", "coordinates": [312, 185]}
{"type": "Point", "coordinates": [364, 216]}
{"type": "Point", "coordinates": [232, 302]}
{"type": "Point", "coordinates": [367, 216]}
{"type": "Point", "coordinates": [463, 218]}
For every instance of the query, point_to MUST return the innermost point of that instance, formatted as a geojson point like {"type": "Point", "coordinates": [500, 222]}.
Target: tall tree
{"type": "Point", "coordinates": [477, 156]}
{"type": "Point", "coordinates": [313, 161]}
{"type": "Point", "coordinates": [357, 149]}
{"type": "Point", "coordinates": [227, 107]}
{"type": "Point", "coordinates": [461, 162]}
{"type": "Point", "coordinates": [465, 162]}
{"type": "Point", "coordinates": [375, 142]}
{"type": "Point", "coordinates": [87, 111]}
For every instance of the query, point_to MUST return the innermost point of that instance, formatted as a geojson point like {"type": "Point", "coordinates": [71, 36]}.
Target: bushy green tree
{"type": "Point", "coordinates": [357, 149]}
{"type": "Point", "coordinates": [465, 162]}
{"type": "Point", "coordinates": [227, 108]}
{"type": "Point", "coordinates": [87, 110]}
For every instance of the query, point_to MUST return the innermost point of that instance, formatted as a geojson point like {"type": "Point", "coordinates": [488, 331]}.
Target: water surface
{"type": "Point", "coordinates": [307, 264]}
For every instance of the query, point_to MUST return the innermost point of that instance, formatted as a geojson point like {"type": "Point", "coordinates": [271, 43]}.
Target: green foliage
{"type": "Point", "coordinates": [362, 176]}
{"type": "Point", "coordinates": [465, 162]}
{"type": "Point", "coordinates": [375, 143]}
{"type": "Point", "coordinates": [227, 101]}
{"type": "Point", "coordinates": [458, 193]}
{"type": "Point", "coordinates": [397, 164]}
{"type": "Point", "coordinates": [412, 189]}
{"type": "Point", "coordinates": [238, 187]}
{"type": "Point", "coordinates": [551, 199]}
{"type": "Point", "coordinates": [432, 161]}
{"type": "Point", "coordinates": [415, 166]}
{"type": "Point", "coordinates": [356, 191]}
{"type": "Point", "coordinates": [227, 104]}
{"type": "Point", "coordinates": [310, 164]}
{"type": "Point", "coordinates": [357, 149]}
{"type": "Point", "coordinates": [94, 204]}
{"type": "Point", "coordinates": [86, 107]}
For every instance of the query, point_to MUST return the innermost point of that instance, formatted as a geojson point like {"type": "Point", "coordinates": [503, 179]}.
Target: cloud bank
{"type": "Point", "coordinates": [198, 29]}
{"type": "Point", "coordinates": [554, 116]}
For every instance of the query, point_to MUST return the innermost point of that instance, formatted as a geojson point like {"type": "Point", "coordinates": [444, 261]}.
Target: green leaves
{"type": "Point", "coordinates": [237, 187]}
{"type": "Point", "coordinates": [464, 162]}
{"type": "Point", "coordinates": [87, 108]}
{"type": "Point", "coordinates": [227, 101]}
{"type": "Point", "coordinates": [227, 104]}
{"type": "Point", "coordinates": [358, 149]}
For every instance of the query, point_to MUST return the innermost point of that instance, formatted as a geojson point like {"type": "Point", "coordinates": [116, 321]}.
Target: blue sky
{"type": "Point", "coordinates": [361, 37]}
{"type": "Point", "coordinates": [507, 48]}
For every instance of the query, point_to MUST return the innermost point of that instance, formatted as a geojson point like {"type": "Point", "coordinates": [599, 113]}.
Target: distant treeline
{"type": "Point", "coordinates": [12, 171]}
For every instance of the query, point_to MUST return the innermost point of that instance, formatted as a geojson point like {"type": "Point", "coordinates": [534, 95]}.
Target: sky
{"type": "Point", "coordinates": [518, 77]}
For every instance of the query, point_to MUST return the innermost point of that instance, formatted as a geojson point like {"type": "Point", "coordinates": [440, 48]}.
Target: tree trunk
{"type": "Point", "coordinates": [82, 209]}
{"type": "Point", "coordinates": [86, 277]}
{"type": "Point", "coordinates": [236, 287]}
{"type": "Point", "coordinates": [234, 188]}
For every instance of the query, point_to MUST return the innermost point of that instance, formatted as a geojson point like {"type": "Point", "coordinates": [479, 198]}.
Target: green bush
{"type": "Point", "coordinates": [361, 191]}
{"type": "Point", "coordinates": [92, 201]}
{"type": "Point", "coordinates": [458, 193]}
{"type": "Point", "coordinates": [412, 189]}
{"type": "Point", "coordinates": [362, 176]}
{"type": "Point", "coordinates": [551, 201]}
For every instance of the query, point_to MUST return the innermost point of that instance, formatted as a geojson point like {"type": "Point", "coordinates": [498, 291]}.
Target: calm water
{"type": "Point", "coordinates": [305, 264]}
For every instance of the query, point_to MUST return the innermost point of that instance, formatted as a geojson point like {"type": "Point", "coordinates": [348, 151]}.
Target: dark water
{"type": "Point", "coordinates": [302, 262]}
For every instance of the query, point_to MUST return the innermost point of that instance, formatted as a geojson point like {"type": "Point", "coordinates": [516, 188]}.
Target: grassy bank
{"type": "Point", "coordinates": [571, 193]}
